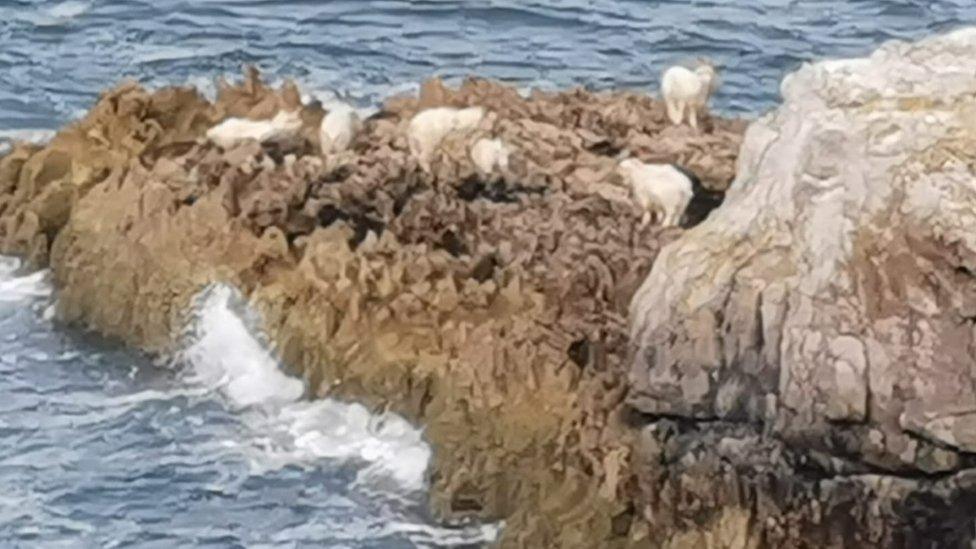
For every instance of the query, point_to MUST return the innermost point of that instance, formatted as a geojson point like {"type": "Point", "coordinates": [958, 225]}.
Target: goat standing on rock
{"type": "Point", "coordinates": [338, 129]}
{"type": "Point", "coordinates": [429, 127]}
{"type": "Point", "coordinates": [686, 92]}
{"type": "Point", "coordinates": [661, 190]}
{"type": "Point", "coordinates": [490, 155]}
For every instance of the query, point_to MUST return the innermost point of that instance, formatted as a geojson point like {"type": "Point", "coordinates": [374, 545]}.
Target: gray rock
{"type": "Point", "coordinates": [821, 322]}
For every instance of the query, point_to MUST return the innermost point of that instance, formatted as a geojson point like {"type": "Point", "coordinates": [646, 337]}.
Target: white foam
{"type": "Point", "coordinates": [205, 85]}
{"type": "Point", "coordinates": [37, 136]}
{"type": "Point", "coordinates": [225, 355]}
{"type": "Point", "coordinates": [19, 288]}
{"type": "Point", "coordinates": [56, 15]}
{"type": "Point", "coordinates": [69, 9]}
{"type": "Point", "coordinates": [32, 135]}
{"type": "Point", "coordinates": [8, 266]}
{"type": "Point", "coordinates": [424, 534]}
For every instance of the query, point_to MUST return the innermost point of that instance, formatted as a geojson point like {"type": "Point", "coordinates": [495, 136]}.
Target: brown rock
{"type": "Point", "coordinates": [476, 295]}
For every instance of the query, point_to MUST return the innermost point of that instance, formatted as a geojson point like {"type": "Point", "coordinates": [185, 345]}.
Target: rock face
{"type": "Point", "coordinates": [804, 359]}
{"type": "Point", "coordinates": [491, 311]}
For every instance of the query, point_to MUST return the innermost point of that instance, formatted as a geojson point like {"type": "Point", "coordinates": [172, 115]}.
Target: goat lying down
{"type": "Point", "coordinates": [234, 131]}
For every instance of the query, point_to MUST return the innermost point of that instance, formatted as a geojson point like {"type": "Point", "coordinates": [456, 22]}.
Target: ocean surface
{"type": "Point", "coordinates": [55, 57]}
{"type": "Point", "coordinates": [215, 447]}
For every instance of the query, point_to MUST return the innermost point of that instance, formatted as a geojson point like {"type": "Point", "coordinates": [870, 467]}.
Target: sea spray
{"type": "Point", "coordinates": [18, 288]}
{"type": "Point", "coordinates": [223, 350]}
{"type": "Point", "coordinates": [275, 427]}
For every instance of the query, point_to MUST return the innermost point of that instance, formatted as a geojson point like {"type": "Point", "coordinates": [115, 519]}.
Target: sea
{"type": "Point", "coordinates": [214, 446]}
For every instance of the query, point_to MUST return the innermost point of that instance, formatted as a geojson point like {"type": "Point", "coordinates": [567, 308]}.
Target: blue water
{"type": "Point", "coordinates": [56, 56]}
{"type": "Point", "coordinates": [101, 448]}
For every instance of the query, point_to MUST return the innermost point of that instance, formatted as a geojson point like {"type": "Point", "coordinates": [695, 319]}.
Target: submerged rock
{"type": "Point", "coordinates": [804, 358]}
{"type": "Point", "coordinates": [492, 312]}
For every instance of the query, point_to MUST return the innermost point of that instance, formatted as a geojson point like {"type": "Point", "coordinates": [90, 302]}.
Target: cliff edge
{"type": "Point", "coordinates": [804, 358]}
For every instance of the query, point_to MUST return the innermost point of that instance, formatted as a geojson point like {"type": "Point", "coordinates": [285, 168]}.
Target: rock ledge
{"type": "Point", "coordinates": [805, 357]}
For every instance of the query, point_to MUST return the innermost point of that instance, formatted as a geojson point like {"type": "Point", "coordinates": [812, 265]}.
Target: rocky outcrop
{"type": "Point", "coordinates": [804, 359]}
{"type": "Point", "coordinates": [493, 312]}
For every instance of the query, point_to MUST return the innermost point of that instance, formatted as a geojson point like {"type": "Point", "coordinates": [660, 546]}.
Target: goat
{"type": "Point", "coordinates": [428, 128]}
{"type": "Point", "coordinates": [661, 190]}
{"type": "Point", "coordinates": [234, 131]}
{"type": "Point", "coordinates": [338, 129]}
{"type": "Point", "coordinates": [686, 92]}
{"type": "Point", "coordinates": [489, 155]}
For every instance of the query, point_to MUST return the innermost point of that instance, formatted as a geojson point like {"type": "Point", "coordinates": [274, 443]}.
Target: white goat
{"type": "Point", "coordinates": [234, 131]}
{"type": "Point", "coordinates": [338, 129]}
{"type": "Point", "coordinates": [489, 154]}
{"type": "Point", "coordinates": [429, 127]}
{"type": "Point", "coordinates": [686, 92]}
{"type": "Point", "coordinates": [659, 189]}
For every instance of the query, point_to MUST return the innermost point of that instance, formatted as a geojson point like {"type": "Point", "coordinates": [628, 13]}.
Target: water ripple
{"type": "Point", "coordinates": [57, 55]}
{"type": "Point", "coordinates": [100, 448]}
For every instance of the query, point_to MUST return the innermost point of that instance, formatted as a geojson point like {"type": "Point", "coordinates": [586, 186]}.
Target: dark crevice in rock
{"type": "Point", "coordinates": [170, 150]}
{"type": "Point", "coordinates": [277, 150]}
{"type": "Point", "coordinates": [700, 207]}
{"type": "Point", "coordinates": [703, 200]}
{"type": "Point", "coordinates": [380, 115]}
{"type": "Point", "coordinates": [474, 188]}
{"type": "Point", "coordinates": [683, 423]}
{"type": "Point", "coordinates": [808, 463]}
{"type": "Point", "coordinates": [425, 399]}
{"type": "Point", "coordinates": [402, 199]}
{"type": "Point", "coordinates": [361, 224]}
{"type": "Point", "coordinates": [452, 244]}
{"type": "Point", "coordinates": [466, 503]}
{"type": "Point", "coordinates": [937, 522]}
{"type": "Point", "coordinates": [338, 175]}
{"type": "Point", "coordinates": [484, 269]}
{"type": "Point", "coordinates": [604, 148]}
{"type": "Point", "coordinates": [579, 352]}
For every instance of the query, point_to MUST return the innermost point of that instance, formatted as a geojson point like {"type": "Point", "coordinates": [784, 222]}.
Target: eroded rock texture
{"type": "Point", "coordinates": [491, 311]}
{"type": "Point", "coordinates": [805, 357]}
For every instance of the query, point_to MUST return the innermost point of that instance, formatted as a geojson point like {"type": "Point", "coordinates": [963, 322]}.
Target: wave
{"type": "Point", "coordinates": [36, 136]}
{"type": "Point", "coordinates": [226, 353]}
{"type": "Point", "coordinates": [224, 356]}
{"type": "Point", "coordinates": [223, 353]}
{"type": "Point", "coordinates": [19, 288]}
{"type": "Point", "coordinates": [68, 10]}
{"type": "Point", "coordinates": [60, 14]}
